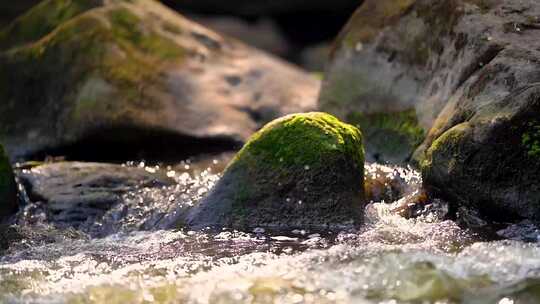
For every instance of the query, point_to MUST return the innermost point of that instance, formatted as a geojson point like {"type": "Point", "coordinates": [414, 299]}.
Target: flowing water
{"type": "Point", "coordinates": [126, 256]}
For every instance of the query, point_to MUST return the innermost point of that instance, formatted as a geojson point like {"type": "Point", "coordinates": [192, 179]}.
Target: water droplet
{"type": "Point", "coordinates": [300, 202]}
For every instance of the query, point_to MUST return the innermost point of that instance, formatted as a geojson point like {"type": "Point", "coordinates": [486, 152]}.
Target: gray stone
{"type": "Point", "coordinates": [75, 191]}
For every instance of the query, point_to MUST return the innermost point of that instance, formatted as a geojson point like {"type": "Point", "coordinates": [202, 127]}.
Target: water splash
{"type": "Point", "coordinates": [391, 259]}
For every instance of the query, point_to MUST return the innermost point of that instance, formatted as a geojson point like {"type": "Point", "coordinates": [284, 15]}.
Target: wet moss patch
{"type": "Point", "coordinates": [391, 136]}
{"type": "Point", "coordinates": [530, 139]}
{"type": "Point", "coordinates": [303, 140]}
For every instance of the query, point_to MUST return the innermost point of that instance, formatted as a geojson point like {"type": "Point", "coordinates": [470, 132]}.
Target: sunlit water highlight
{"type": "Point", "coordinates": [126, 256]}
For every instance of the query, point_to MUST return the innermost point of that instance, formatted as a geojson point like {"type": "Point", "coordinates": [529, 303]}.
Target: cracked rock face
{"type": "Point", "coordinates": [70, 70]}
{"type": "Point", "coordinates": [470, 71]}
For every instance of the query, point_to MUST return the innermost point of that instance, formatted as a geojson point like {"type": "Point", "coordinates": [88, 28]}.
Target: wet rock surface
{"type": "Point", "coordinates": [302, 170]}
{"type": "Point", "coordinates": [134, 70]}
{"type": "Point", "coordinates": [467, 71]}
{"type": "Point", "coordinates": [72, 192]}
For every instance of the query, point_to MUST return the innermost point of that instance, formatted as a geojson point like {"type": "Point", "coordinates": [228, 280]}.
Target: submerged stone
{"type": "Point", "coordinates": [73, 192]}
{"type": "Point", "coordinates": [301, 170]}
{"type": "Point", "coordinates": [8, 188]}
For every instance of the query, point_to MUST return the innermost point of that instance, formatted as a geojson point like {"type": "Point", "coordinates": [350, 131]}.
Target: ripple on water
{"type": "Point", "coordinates": [389, 260]}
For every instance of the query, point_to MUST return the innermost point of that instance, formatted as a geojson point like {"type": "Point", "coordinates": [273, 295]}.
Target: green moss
{"type": "Point", "coordinates": [390, 134]}
{"type": "Point", "coordinates": [448, 140]}
{"type": "Point", "coordinates": [126, 27]}
{"type": "Point", "coordinates": [304, 141]}
{"type": "Point", "coordinates": [116, 54]}
{"type": "Point", "coordinates": [41, 20]}
{"type": "Point", "coordinates": [530, 139]}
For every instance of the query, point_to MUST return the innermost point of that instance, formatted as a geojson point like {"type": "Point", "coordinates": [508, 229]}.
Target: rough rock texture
{"type": "Point", "coordinates": [470, 71]}
{"type": "Point", "coordinates": [8, 188]}
{"type": "Point", "coordinates": [302, 170]}
{"type": "Point", "coordinates": [75, 191]}
{"type": "Point", "coordinates": [125, 71]}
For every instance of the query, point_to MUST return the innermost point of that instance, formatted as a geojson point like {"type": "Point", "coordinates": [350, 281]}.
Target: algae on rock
{"type": "Point", "coordinates": [302, 170]}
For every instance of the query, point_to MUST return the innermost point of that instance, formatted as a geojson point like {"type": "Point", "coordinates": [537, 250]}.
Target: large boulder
{"type": "Point", "coordinates": [469, 72]}
{"type": "Point", "coordinates": [130, 72]}
{"type": "Point", "coordinates": [302, 170]}
{"type": "Point", "coordinates": [8, 188]}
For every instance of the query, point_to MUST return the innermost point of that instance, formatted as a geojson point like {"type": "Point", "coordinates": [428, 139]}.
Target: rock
{"type": "Point", "coordinates": [75, 191]}
{"type": "Point", "coordinates": [8, 188]}
{"type": "Point", "coordinates": [468, 70]}
{"type": "Point", "coordinates": [389, 183]}
{"type": "Point", "coordinates": [369, 82]}
{"type": "Point", "coordinates": [134, 75]}
{"type": "Point", "coordinates": [302, 170]}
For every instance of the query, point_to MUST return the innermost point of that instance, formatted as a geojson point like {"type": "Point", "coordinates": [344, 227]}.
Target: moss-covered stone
{"type": "Point", "coordinates": [491, 162]}
{"type": "Point", "coordinates": [8, 189]}
{"type": "Point", "coordinates": [302, 170]}
{"type": "Point", "coordinates": [92, 66]}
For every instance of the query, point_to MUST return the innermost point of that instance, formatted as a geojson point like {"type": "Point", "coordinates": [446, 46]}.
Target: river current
{"type": "Point", "coordinates": [126, 256]}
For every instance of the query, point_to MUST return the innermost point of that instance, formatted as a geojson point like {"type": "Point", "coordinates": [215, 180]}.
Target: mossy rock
{"type": "Point", "coordinates": [490, 163]}
{"type": "Point", "coordinates": [8, 188]}
{"type": "Point", "coordinates": [117, 70]}
{"type": "Point", "coordinates": [302, 170]}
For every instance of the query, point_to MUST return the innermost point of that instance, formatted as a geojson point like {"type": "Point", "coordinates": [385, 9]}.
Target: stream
{"type": "Point", "coordinates": [126, 255]}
